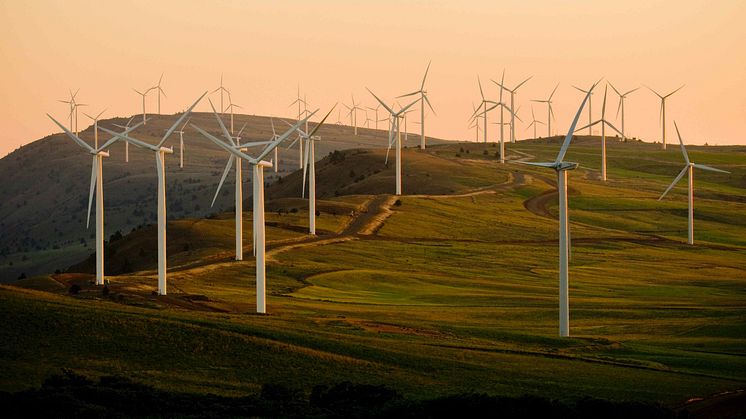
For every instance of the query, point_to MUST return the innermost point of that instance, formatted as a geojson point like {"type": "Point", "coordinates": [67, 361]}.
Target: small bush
{"type": "Point", "coordinates": [22, 275]}
{"type": "Point", "coordinates": [397, 203]}
{"type": "Point", "coordinates": [74, 289]}
{"type": "Point", "coordinates": [105, 290]}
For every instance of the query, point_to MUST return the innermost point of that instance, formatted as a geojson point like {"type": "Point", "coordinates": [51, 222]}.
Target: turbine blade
{"type": "Point", "coordinates": [223, 145]}
{"type": "Point", "coordinates": [610, 125]}
{"type": "Point", "coordinates": [181, 118]}
{"type": "Point", "coordinates": [410, 94]}
{"type": "Point", "coordinates": [681, 142]}
{"type": "Point", "coordinates": [570, 132]}
{"type": "Point", "coordinates": [321, 123]}
{"type": "Point", "coordinates": [682, 86]}
{"type": "Point", "coordinates": [73, 136]}
{"type": "Point", "coordinates": [710, 168]}
{"type": "Point", "coordinates": [422, 86]}
{"type": "Point", "coordinates": [428, 104]}
{"type": "Point", "coordinates": [94, 178]}
{"type": "Point", "coordinates": [681, 174]}
{"type": "Point", "coordinates": [306, 158]}
{"type": "Point", "coordinates": [284, 136]}
{"type": "Point", "coordinates": [241, 130]}
{"type": "Point", "coordinates": [522, 83]}
{"type": "Point", "coordinates": [112, 140]}
{"type": "Point", "coordinates": [555, 89]}
{"type": "Point", "coordinates": [380, 101]}
{"type": "Point", "coordinates": [228, 166]}
{"type": "Point", "coordinates": [129, 139]}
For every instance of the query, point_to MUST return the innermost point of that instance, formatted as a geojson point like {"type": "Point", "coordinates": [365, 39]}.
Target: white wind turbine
{"type": "Point", "coordinates": [501, 123]}
{"type": "Point", "coordinates": [97, 181]}
{"type": "Point", "coordinates": [689, 169]}
{"type": "Point", "coordinates": [484, 112]}
{"type": "Point", "coordinates": [126, 144]}
{"type": "Point", "coordinates": [550, 113]}
{"type": "Point", "coordinates": [309, 167]}
{"type": "Point", "coordinates": [423, 99]}
{"type": "Point", "coordinates": [353, 112]}
{"type": "Point", "coordinates": [395, 137]}
{"type": "Point", "coordinates": [622, 96]}
{"type": "Point", "coordinates": [276, 161]}
{"type": "Point", "coordinates": [258, 197]}
{"type": "Point", "coordinates": [590, 109]}
{"type": "Point", "coordinates": [231, 106]}
{"type": "Point", "coordinates": [662, 115]}
{"type": "Point", "coordinates": [603, 123]}
{"type": "Point", "coordinates": [160, 91]}
{"type": "Point", "coordinates": [160, 152]}
{"type": "Point", "coordinates": [181, 143]}
{"type": "Point", "coordinates": [512, 104]}
{"type": "Point", "coordinates": [221, 89]}
{"type": "Point", "coordinates": [562, 167]}
{"type": "Point", "coordinates": [143, 94]}
{"type": "Point", "coordinates": [73, 110]}
{"type": "Point", "coordinates": [376, 111]}
{"type": "Point", "coordinates": [534, 122]}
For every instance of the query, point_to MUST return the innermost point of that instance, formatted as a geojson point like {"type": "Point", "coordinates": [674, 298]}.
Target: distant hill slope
{"type": "Point", "coordinates": [44, 192]}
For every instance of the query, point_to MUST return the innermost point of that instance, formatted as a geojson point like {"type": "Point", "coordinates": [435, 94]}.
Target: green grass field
{"type": "Point", "coordinates": [453, 293]}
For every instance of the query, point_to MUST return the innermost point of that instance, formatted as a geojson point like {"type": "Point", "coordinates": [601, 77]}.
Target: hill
{"type": "Point", "coordinates": [44, 193]}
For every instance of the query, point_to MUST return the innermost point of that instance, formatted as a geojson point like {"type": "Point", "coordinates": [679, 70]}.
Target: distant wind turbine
{"type": "Point", "coordinates": [622, 96]}
{"type": "Point", "coordinates": [512, 104]}
{"type": "Point", "coordinates": [160, 152]}
{"type": "Point", "coordinates": [222, 90]}
{"type": "Point", "coordinates": [353, 108]}
{"type": "Point", "coordinates": [395, 137]}
{"type": "Point", "coordinates": [562, 167]}
{"type": "Point", "coordinates": [689, 169]}
{"type": "Point", "coordinates": [126, 144]}
{"type": "Point", "coordinates": [550, 113]}
{"type": "Point", "coordinates": [604, 123]}
{"type": "Point", "coordinates": [97, 181]}
{"type": "Point", "coordinates": [534, 123]}
{"type": "Point", "coordinates": [143, 94]}
{"type": "Point", "coordinates": [423, 99]}
{"type": "Point", "coordinates": [662, 115]}
{"type": "Point", "coordinates": [160, 91]}
{"type": "Point", "coordinates": [95, 126]}
{"type": "Point", "coordinates": [590, 109]}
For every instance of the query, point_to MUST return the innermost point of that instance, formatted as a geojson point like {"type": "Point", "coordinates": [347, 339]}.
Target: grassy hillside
{"type": "Point", "coordinates": [451, 289]}
{"type": "Point", "coordinates": [44, 193]}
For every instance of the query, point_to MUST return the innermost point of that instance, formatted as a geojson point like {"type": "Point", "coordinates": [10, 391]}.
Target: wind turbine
{"type": "Point", "coordinates": [97, 182]}
{"type": "Point", "coordinates": [160, 152]}
{"type": "Point", "coordinates": [230, 106]}
{"type": "Point", "coordinates": [550, 113]}
{"type": "Point", "coordinates": [562, 167]}
{"type": "Point", "coordinates": [73, 110]}
{"type": "Point", "coordinates": [95, 126]}
{"type": "Point", "coordinates": [590, 109]}
{"type": "Point", "coordinates": [423, 98]}
{"type": "Point", "coordinates": [603, 123]}
{"type": "Point", "coordinates": [126, 144]}
{"type": "Point", "coordinates": [160, 91]}
{"type": "Point", "coordinates": [622, 96]}
{"type": "Point", "coordinates": [258, 197]}
{"type": "Point", "coordinates": [501, 123]}
{"type": "Point", "coordinates": [276, 162]}
{"type": "Point", "coordinates": [395, 136]}
{"type": "Point", "coordinates": [143, 94]}
{"type": "Point", "coordinates": [534, 122]}
{"type": "Point", "coordinates": [309, 167]}
{"type": "Point", "coordinates": [181, 143]}
{"type": "Point", "coordinates": [663, 111]}
{"type": "Point", "coordinates": [353, 112]}
{"type": "Point", "coordinates": [512, 104]}
{"type": "Point", "coordinates": [221, 89]}
{"type": "Point", "coordinates": [376, 111]}
{"type": "Point", "coordinates": [689, 169]}
{"type": "Point", "coordinates": [484, 104]}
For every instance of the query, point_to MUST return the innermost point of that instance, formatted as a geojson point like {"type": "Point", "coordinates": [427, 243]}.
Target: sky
{"type": "Point", "coordinates": [333, 49]}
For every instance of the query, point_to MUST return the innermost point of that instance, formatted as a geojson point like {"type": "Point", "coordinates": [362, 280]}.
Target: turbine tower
{"type": "Point", "coordinates": [689, 169]}
{"type": "Point", "coordinates": [258, 166]}
{"type": "Point", "coordinates": [97, 183]}
{"type": "Point", "coordinates": [622, 96]}
{"type": "Point", "coordinates": [604, 123]}
{"type": "Point", "coordinates": [395, 136]}
{"type": "Point", "coordinates": [662, 115]}
{"type": "Point", "coordinates": [160, 152]}
{"type": "Point", "coordinates": [95, 126]}
{"type": "Point", "coordinates": [562, 167]}
{"type": "Point", "coordinates": [550, 113]}
{"type": "Point", "coordinates": [512, 104]}
{"type": "Point", "coordinates": [502, 142]}
{"type": "Point", "coordinates": [423, 99]}
{"type": "Point", "coordinates": [181, 143]}
{"type": "Point", "coordinates": [483, 104]}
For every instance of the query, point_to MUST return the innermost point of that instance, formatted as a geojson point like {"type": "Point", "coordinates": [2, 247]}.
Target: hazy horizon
{"type": "Point", "coordinates": [333, 49]}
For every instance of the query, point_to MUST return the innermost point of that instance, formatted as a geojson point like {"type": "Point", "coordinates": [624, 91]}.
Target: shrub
{"type": "Point", "coordinates": [397, 203]}
{"type": "Point", "coordinates": [105, 290]}
{"type": "Point", "coordinates": [74, 289]}
{"type": "Point", "coordinates": [22, 275]}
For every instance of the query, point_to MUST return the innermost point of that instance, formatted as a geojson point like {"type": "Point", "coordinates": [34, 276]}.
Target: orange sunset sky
{"type": "Point", "coordinates": [336, 48]}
